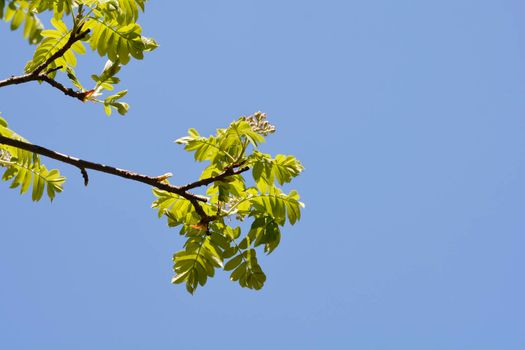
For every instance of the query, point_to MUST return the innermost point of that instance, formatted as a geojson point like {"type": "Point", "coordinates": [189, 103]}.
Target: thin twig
{"type": "Point", "coordinates": [205, 182]}
{"type": "Point", "coordinates": [85, 176]}
{"type": "Point", "coordinates": [49, 71]}
{"type": "Point", "coordinates": [80, 95]}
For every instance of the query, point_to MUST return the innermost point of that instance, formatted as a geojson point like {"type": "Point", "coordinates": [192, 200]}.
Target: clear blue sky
{"type": "Point", "coordinates": [409, 117]}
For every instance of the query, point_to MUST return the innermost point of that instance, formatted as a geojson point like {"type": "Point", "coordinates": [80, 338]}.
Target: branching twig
{"type": "Point", "coordinates": [235, 169]}
{"type": "Point", "coordinates": [41, 77]}
{"type": "Point", "coordinates": [77, 34]}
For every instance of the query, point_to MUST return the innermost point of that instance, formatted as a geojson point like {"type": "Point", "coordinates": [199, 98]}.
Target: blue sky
{"type": "Point", "coordinates": [409, 119]}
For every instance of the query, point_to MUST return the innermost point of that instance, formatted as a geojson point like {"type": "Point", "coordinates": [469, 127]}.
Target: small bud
{"type": "Point", "coordinates": [164, 177]}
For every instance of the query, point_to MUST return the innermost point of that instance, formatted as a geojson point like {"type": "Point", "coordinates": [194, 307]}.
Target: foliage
{"type": "Point", "coordinates": [113, 33]}
{"type": "Point", "coordinates": [235, 216]}
{"type": "Point", "coordinates": [18, 12]}
{"type": "Point", "coordinates": [24, 169]}
{"type": "Point", "coordinates": [219, 243]}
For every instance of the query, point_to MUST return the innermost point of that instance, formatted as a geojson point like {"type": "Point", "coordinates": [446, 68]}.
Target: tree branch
{"type": "Point", "coordinates": [81, 95]}
{"type": "Point", "coordinates": [157, 181]}
{"type": "Point", "coordinates": [84, 164]}
{"type": "Point", "coordinates": [77, 34]}
{"type": "Point", "coordinates": [42, 77]}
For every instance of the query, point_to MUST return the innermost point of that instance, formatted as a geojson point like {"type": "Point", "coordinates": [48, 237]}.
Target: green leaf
{"type": "Point", "coordinates": [278, 205]}
{"type": "Point", "coordinates": [112, 101]}
{"type": "Point", "coordinates": [17, 19]}
{"type": "Point", "coordinates": [118, 42]}
{"type": "Point", "coordinates": [267, 170]}
{"type": "Point", "coordinates": [238, 272]}
{"type": "Point", "coordinates": [18, 13]}
{"type": "Point", "coordinates": [53, 42]}
{"type": "Point", "coordinates": [233, 263]}
{"type": "Point", "coordinates": [180, 277]}
{"type": "Point", "coordinates": [197, 261]}
{"type": "Point", "coordinates": [24, 169]}
{"type": "Point", "coordinates": [107, 78]}
{"type": "Point", "coordinates": [73, 78]}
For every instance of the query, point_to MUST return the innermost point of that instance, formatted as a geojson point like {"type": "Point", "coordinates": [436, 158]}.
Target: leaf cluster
{"type": "Point", "coordinates": [24, 169]}
{"type": "Point", "coordinates": [21, 12]}
{"type": "Point", "coordinates": [257, 205]}
{"type": "Point", "coordinates": [108, 27]}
